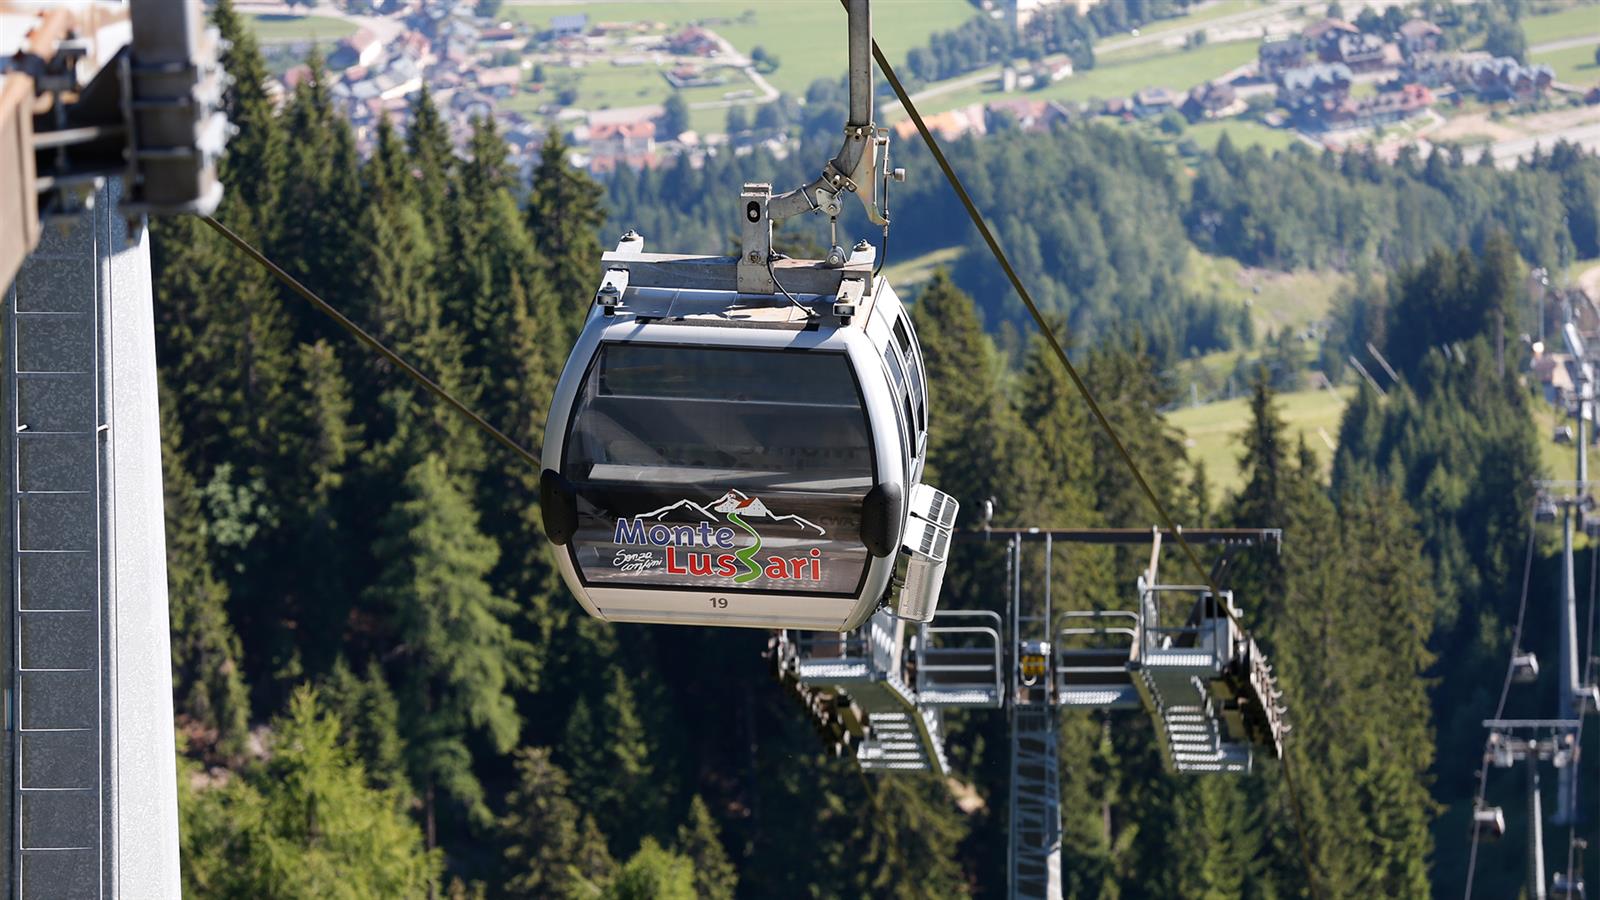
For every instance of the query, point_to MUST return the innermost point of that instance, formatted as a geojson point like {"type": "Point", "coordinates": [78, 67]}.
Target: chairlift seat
{"type": "Point", "coordinates": [1489, 823]}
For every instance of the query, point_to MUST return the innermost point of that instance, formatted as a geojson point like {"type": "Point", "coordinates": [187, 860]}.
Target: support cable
{"type": "Point", "coordinates": [1505, 689]}
{"type": "Point", "coordinates": [1088, 396]}
{"type": "Point", "coordinates": [360, 334]}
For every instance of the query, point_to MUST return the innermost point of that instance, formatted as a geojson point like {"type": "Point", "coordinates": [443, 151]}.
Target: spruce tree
{"type": "Point", "coordinates": [207, 659]}
{"type": "Point", "coordinates": [370, 713]}
{"type": "Point", "coordinates": [564, 217]}
{"type": "Point", "coordinates": [432, 165]}
{"type": "Point", "coordinates": [320, 206]}
{"type": "Point", "coordinates": [612, 759]}
{"type": "Point", "coordinates": [698, 839]}
{"type": "Point", "coordinates": [454, 657]}
{"type": "Point", "coordinates": [254, 167]}
{"type": "Point", "coordinates": [653, 873]}
{"type": "Point", "coordinates": [551, 848]}
{"type": "Point", "coordinates": [303, 824]}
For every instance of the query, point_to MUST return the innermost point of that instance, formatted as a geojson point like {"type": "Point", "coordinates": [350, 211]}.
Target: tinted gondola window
{"type": "Point", "coordinates": [720, 469]}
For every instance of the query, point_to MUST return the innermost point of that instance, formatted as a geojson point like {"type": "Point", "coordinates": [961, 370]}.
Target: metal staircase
{"type": "Point", "coordinates": [863, 671]}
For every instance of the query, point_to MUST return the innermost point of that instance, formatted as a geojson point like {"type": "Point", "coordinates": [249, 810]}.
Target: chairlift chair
{"type": "Point", "coordinates": [1524, 668]}
{"type": "Point", "coordinates": [1563, 434]}
{"type": "Point", "coordinates": [1566, 887]}
{"type": "Point", "coordinates": [1545, 510]}
{"type": "Point", "coordinates": [1489, 823]}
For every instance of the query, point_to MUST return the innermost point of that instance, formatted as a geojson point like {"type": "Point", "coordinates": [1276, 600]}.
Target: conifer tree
{"type": "Point", "coordinates": [432, 165]}
{"type": "Point", "coordinates": [303, 824]}
{"type": "Point", "coordinates": [552, 848]}
{"type": "Point", "coordinates": [253, 169]}
{"type": "Point", "coordinates": [909, 841]}
{"type": "Point", "coordinates": [322, 203]}
{"type": "Point", "coordinates": [564, 217]}
{"type": "Point", "coordinates": [207, 665]}
{"type": "Point", "coordinates": [370, 713]}
{"type": "Point", "coordinates": [698, 839]}
{"type": "Point", "coordinates": [612, 759]}
{"type": "Point", "coordinates": [653, 873]}
{"type": "Point", "coordinates": [454, 656]}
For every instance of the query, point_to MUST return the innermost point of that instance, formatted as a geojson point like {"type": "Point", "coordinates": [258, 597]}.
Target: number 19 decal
{"type": "Point", "coordinates": [718, 602]}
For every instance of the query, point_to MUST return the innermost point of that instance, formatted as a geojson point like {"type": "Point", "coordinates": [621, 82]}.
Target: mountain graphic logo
{"type": "Point", "coordinates": [739, 510]}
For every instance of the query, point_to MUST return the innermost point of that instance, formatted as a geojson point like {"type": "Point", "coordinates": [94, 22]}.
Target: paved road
{"type": "Point", "coordinates": [1582, 40]}
{"type": "Point", "coordinates": [732, 57]}
{"type": "Point", "coordinates": [1507, 153]}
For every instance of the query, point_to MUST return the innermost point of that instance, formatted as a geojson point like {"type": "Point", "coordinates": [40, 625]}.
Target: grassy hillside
{"type": "Point", "coordinates": [1576, 21]}
{"type": "Point", "coordinates": [282, 29]}
{"type": "Point", "coordinates": [1212, 430]}
{"type": "Point", "coordinates": [807, 37]}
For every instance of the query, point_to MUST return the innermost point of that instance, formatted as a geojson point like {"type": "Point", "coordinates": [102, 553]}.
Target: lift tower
{"type": "Point", "coordinates": [108, 111]}
{"type": "Point", "coordinates": [1555, 740]}
{"type": "Point", "coordinates": [1179, 656]}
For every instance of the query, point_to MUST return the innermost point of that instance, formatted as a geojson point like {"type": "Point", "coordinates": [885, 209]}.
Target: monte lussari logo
{"type": "Point", "coordinates": [724, 543]}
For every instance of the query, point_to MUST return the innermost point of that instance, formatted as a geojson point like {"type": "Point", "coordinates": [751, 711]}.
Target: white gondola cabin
{"type": "Point", "coordinates": [724, 458]}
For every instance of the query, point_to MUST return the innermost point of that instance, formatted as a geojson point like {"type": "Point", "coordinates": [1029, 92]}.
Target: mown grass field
{"type": "Point", "coordinates": [807, 36]}
{"type": "Point", "coordinates": [1243, 133]}
{"type": "Point", "coordinates": [1277, 300]}
{"type": "Point", "coordinates": [280, 29]}
{"type": "Point", "coordinates": [917, 269]}
{"type": "Point", "coordinates": [1212, 431]}
{"type": "Point", "coordinates": [1560, 460]}
{"type": "Point", "coordinates": [1575, 21]}
{"type": "Point", "coordinates": [605, 86]}
{"type": "Point", "coordinates": [1159, 67]}
{"type": "Point", "coordinates": [1573, 65]}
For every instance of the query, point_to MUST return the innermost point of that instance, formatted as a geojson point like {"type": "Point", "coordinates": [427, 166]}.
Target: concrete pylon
{"type": "Point", "coordinates": [91, 800]}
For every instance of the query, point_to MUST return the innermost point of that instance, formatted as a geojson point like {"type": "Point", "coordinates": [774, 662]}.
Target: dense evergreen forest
{"type": "Point", "coordinates": [383, 691]}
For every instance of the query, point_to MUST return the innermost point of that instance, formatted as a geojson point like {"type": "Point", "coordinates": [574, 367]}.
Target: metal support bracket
{"type": "Point", "coordinates": [753, 275]}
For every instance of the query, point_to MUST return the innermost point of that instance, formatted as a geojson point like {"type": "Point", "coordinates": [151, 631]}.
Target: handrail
{"type": "Point", "coordinates": [1130, 632]}
{"type": "Point", "coordinates": [990, 646]}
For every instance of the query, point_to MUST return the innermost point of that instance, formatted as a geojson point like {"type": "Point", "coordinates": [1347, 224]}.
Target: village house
{"type": "Point", "coordinates": [1029, 115]}
{"type": "Point", "coordinates": [1212, 100]}
{"type": "Point", "coordinates": [1365, 52]}
{"type": "Point", "coordinates": [500, 82]}
{"type": "Point", "coordinates": [1323, 37]}
{"type": "Point", "coordinates": [360, 49]}
{"type": "Point", "coordinates": [948, 125]}
{"type": "Point", "coordinates": [1314, 85]}
{"type": "Point", "coordinates": [1385, 108]}
{"type": "Point", "coordinates": [1503, 78]}
{"type": "Point", "coordinates": [689, 76]}
{"type": "Point", "coordinates": [1490, 78]}
{"type": "Point", "coordinates": [1419, 36]}
{"type": "Point", "coordinates": [693, 41]}
{"type": "Point", "coordinates": [1276, 57]}
{"type": "Point", "coordinates": [1153, 102]}
{"type": "Point", "coordinates": [613, 144]}
{"type": "Point", "coordinates": [568, 26]}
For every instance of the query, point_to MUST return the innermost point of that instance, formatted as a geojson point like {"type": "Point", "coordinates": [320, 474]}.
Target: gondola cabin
{"type": "Point", "coordinates": [715, 457]}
